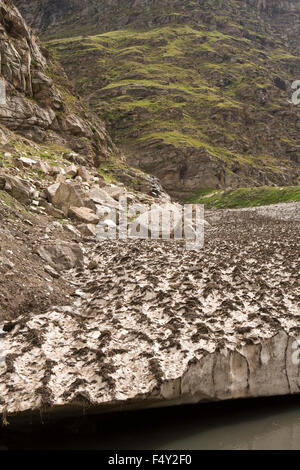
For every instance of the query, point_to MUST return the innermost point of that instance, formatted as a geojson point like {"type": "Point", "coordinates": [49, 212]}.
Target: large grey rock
{"type": "Point", "coordinates": [83, 214]}
{"type": "Point", "coordinates": [83, 173]}
{"type": "Point", "coordinates": [27, 162]}
{"type": "Point", "coordinates": [61, 255]}
{"type": "Point", "coordinates": [88, 230]}
{"type": "Point", "coordinates": [53, 211]}
{"type": "Point", "coordinates": [164, 221]}
{"type": "Point", "coordinates": [44, 167]}
{"type": "Point", "coordinates": [17, 188]}
{"type": "Point", "coordinates": [100, 196]}
{"type": "Point", "coordinates": [71, 171]}
{"type": "Point", "coordinates": [51, 271]}
{"type": "Point", "coordinates": [64, 195]}
{"type": "Point", "coordinates": [77, 126]}
{"type": "Point", "coordinates": [115, 191]}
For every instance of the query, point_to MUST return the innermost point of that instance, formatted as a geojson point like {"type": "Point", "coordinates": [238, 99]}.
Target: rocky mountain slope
{"type": "Point", "coordinates": [197, 93]}
{"type": "Point", "coordinates": [56, 160]}
{"type": "Point", "coordinates": [40, 104]}
{"type": "Point", "coordinates": [88, 324]}
{"type": "Point", "coordinates": [43, 116]}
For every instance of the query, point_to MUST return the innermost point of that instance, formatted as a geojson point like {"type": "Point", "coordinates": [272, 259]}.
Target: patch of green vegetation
{"type": "Point", "coordinates": [279, 54]}
{"type": "Point", "coordinates": [34, 63]}
{"type": "Point", "coordinates": [174, 138]}
{"type": "Point", "coordinates": [245, 197]}
{"type": "Point", "coordinates": [107, 173]}
{"type": "Point", "coordinates": [185, 85]}
{"type": "Point", "coordinates": [53, 153]}
{"type": "Point", "coordinates": [11, 202]}
{"type": "Point", "coordinates": [6, 162]}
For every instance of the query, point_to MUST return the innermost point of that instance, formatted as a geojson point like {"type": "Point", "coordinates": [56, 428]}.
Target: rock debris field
{"type": "Point", "coordinates": [154, 324]}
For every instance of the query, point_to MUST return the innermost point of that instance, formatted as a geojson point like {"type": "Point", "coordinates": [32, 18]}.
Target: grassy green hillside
{"type": "Point", "coordinates": [195, 92]}
{"type": "Point", "coordinates": [245, 197]}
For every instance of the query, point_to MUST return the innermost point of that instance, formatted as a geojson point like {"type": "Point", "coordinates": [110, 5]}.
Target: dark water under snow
{"type": "Point", "coordinates": [249, 424]}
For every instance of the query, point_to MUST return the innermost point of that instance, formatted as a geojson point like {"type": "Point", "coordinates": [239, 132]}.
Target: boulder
{"type": "Point", "coordinates": [83, 214]}
{"type": "Point", "coordinates": [17, 188]}
{"type": "Point", "coordinates": [60, 178]}
{"type": "Point", "coordinates": [61, 255]}
{"type": "Point", "coordinates": [115, 192]}
{"type": "Point", "coordinates": [71, 229]}
{"type": "Point", "coordinates": [53, 211]}
{"type": "Point", "coordinates": [165, 221]}
{"type": "Point", "coordinates": [64, 195]}
{"type": "Point", "coordinates": [51, 271]}
{"type": "Point", "coordinates": [83, 173]}
{"type": "Point", "coordinates": [51, 191]}
{"type": "Point", "coordinates": [55, 170]}
{"type": "Point", "coordinates": [27, 162]}
{"type": "Point", "coordinates": [71, 171]}
{"type": "Point", "coordinates": [76, 126]}
{"type": "Point", "coordinates": [100, 196]}
{"type": "Point", "coordinates": [88, 230]}
{"type": "Point", "coordinates": [90, 204]}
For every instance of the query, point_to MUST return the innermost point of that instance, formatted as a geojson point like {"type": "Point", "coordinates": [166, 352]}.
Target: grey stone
{"type": "Point", "coordinates": [61, 255]}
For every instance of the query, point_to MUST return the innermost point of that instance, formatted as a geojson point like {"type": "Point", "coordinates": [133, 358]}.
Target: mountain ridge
{"type": "Point", "coordinates": [196, 93]}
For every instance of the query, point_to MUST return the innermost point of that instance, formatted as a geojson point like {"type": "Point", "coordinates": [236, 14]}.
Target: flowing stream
{"type": "Point", "coordinates": [266, 424]}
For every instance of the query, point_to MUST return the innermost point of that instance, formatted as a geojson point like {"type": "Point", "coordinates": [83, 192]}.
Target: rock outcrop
{"type": "Point", "coordinates": [43, 112]}
{"type": "Point", "coordinates": [61, 255]}
{"type": "Point", "coordinates": [19, 189]}
{"type": "Point", "coordinates": [49, 15]}
{"type": "Point", "coordinates": [40, 104]}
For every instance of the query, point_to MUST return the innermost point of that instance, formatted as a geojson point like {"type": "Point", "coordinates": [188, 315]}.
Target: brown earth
{"type": "Point", "coordinates": [25, 286]}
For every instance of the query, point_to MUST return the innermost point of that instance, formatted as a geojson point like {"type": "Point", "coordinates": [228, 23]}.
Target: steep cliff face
{"type": "Point", "coordinates": [40, 102]}
{"type": "Point", "coordinates": [274, 7]}
{"type": "Point", "coordinates": [197, 93]}
{"type": "Point", "coordinates": [285, 17]}
{"type": "Point", "coordinates": [105, 15]}
{"type": "Point", "coordinates": [43, 107]}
